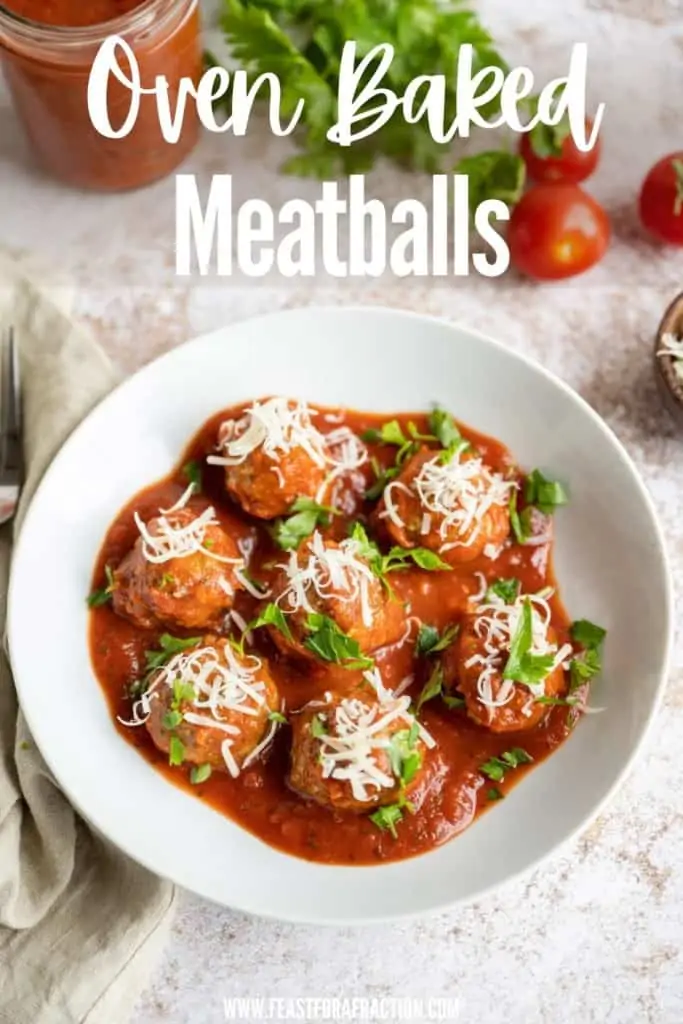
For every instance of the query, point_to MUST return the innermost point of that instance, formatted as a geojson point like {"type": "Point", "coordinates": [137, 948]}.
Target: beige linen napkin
{"type": "Point", "coordinates": [80, 924]}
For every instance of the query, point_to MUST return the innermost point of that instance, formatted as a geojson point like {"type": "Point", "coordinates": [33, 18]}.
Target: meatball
{"type": "Point", "coordinates": [332, 579]}
{"type": "Point", "coordinates": [181, 572]}
{"type": "Point", "coordinates": [454, 505]}
{"type": "Point", "coordinates": [475, 662]}
{"type": "Point", "coordinates": [358, 752]}
{"type": "Point", "coordinates": [272, 455]}
{"type": "Point", "coordinates": [216, 704]}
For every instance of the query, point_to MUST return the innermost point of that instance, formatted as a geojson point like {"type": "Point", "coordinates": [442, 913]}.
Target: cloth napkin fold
{"type": "Point", "coordinates": [80, 924]}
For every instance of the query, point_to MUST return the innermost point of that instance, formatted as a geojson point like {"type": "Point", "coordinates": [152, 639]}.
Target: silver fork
{"type": "Point", "coordinates": [11, 452]}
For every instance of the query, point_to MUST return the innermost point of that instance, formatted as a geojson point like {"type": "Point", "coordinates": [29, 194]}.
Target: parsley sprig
{"type": "Point", "coordinates": [588, 663]}
{"type": "Point", "coordinates": [539, 492]}
{"type": "Point", "coordinates": [397, 558]}
{"type": "Point", "coordinates": [304, 516]}
{"type": "Point", "coordinates": [103, 596]}
{"type": "Point", "coordinates": [496, 768]}
{"type": "Point", "coordinates": [522, 665]}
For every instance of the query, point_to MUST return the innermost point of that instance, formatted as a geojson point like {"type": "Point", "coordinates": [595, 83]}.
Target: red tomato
{"type": "Point", "coordinates": [661, 199]}
{"type": "Point", "coordinates": [571, 164]}
{"type": "Point", "coordinates": [557, 231]}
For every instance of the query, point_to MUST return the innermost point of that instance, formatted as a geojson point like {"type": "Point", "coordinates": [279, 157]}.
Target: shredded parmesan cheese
{"type": "Point", "coordinates": [221, 682]}
{"type": "Point", "coordinates": [317, 571]}
{"type": "Point", "coordinates": [172, 537]}
{"type": "Point", "coordinates": [357, 740]}
{"type": "Point", "coordinates": [496, 625]}
{"type": "Point", "coordinates": [280, 425]}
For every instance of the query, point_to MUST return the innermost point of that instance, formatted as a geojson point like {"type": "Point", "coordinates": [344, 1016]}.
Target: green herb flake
{"type": "Point", "coordinates": [546, 495]}
{"type": "Point", "coordinates": [271, 615]}
{"type": "Point", "coordinates": [318, 727]}
{"type": "Point", "coordinates": [387, 818]}
{"type": "Point", "coordinates": [176, 752]}
{"type": "Point", "coordinates": [277, 716]}
{"type": "Point", "coordinates": [305, 516]}
{"type": "Point", "coordinates": [326, 640]}
{"type": "Point", "coordinates": [432, 688]}
{"type": "Point", "coordinates": [496, 767]}
{"type": "Point", "coordinates": [522, 666]}
{"type": "Point", "coordinates": [171, 720]}
{"type": "Point", "coordinates": [405, 759]}
{"type": "Point", "coordinates": [505, 589]}
{"type": "Point", "coordinates": [103, 596]}
{"type": "Point", "coordinates": [170, 646]}
{"type": "Point", "coordinates": [519, 528]}
{"type": "Point", "coordinates": [587, 634]}
{"type": "Point", "coordinates": [200, 773]}
{"type": "Point", "coordinates": [453, 701]}
{"type": "Point", "coordinates": [494, 794]}
{"type": "Point", "coordinates": [192, 471]}
{"type": "Point", "coordinates": [430, 642]}
{"type": "Point", "coordinates": [445, 429]}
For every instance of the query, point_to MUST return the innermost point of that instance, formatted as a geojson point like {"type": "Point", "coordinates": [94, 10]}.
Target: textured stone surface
{"type": "Point", "coordinates": [596, 934]}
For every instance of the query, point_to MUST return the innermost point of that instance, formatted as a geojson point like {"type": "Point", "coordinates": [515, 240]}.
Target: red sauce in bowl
{"type": "Point", "coordinates": [455, 791]}
{"type": "Point", "coordinates": [47, 61]}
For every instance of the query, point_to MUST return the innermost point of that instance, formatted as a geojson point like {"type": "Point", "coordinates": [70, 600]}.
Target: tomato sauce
{"type": "Point", "coordinates": [47, 61]}
{"type": "Point", "coordinates": [453, 791]}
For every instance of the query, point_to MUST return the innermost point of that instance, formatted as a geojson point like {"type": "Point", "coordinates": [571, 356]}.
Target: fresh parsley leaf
{"type": "Point", "coordinates": [404, 757]}
{"type": "Point", "coordinates": [182, 693]}
{"type": "Point", "coordinates": [271, 615]}
{"type": "Point", "coordinates": [494, 793]}
{"type": "Point", "coordinates": [170, 645]}
{"type": "Point", "coordinates": [496, 767]}
{"type": "Point", "coordinates": [176, 751]}
{"type": "Point", "coordinates": [453, 701]}
{"type": "Point", "coordinates": [305, 516]}
{"type": "Point", "coordinates": [200, 773]}
{"type": "Point", "coordinates": [587, 633]}
{"type": "Point", "coordinates": [326, 640]}
{"type": "Point", "coordinates": [388, 433]}
{"type": "Point", "coordinates": [383, 476]}
{"type": "Point", "coordinates": [493, 174]}
{"type": "Point", "coordinates": [277, 716]}
{"type": "Point", "coordinates": [387, 818]}
{"type": "Point", "coordinates": [518, 527]}
{"type": "Point", "coordinates": [171, 720]}
{"type": "Point", "coordinates": [192, 471]}
{"type": "Point", "coordinates": [318, 727]}
{"type": "Point", "coordinates": [546, 495]}
{"type": "Point", "coordinates": [103, 596]}
{"type": "Point", "coordinates": [522, 666]}
{"type": "Point", "coordinates": [430, 642]}
{"type": "Point", "coordinates": [424, 558]}
{"type": "Point", "coordinates": [506, 589]}
{"type": "Point", "coordinates": [445, 429]}
{"type": "Point", "coordinates": [432, 688]}
{"type": "Point", "coordinates": [556, 701]}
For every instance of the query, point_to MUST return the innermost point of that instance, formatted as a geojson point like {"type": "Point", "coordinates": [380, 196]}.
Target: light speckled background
{"type": "Point", "coordinates": [595, 935]}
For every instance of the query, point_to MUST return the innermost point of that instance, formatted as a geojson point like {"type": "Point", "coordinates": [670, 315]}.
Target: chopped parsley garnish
{"type": "Point", "coordinates": [522, 666]}
{"type": "Point", "coordinates": [519, 521]}
{"type": "Point", "coordinates": [182, 693]}
{"type": "Point", "coordinates": [192, 471]}
{"type": "Point", "coordinates": [392, 434]}
{"type": "Point", "coordinates": [506, 589]}
{"type": "Point", "coordinates": [176, 751]}
{"type": "Point", "coordinates": [383, 476]}
{"type": "Point", "coordinates": [446, 432]}
{"type": "Point", "coordinates": [496, 767]}
{"type": "Point", "coordinates": [169, 645]}
{"type": "Point", "coordinates": [103, 596]}
{"type": "Point", "coordinates": [589, 662]}
{"type": "Point", "coordinates": [277, 716]}
{"type": "Point", "coordinates": [167, 580]}
{"type": "Point", "coordinates": [305, 516]}
{"type": "Point", "coordinates": [271, 615]}
{"type": "Point", "coordinates": [171, 720]}
{"type": "Point", "coordinates": [567, 702]}
{"type": "Point", "coordinates": [430, 642]}
{"type": "Point", "coordinates": [387, 818]}
{"type": "Point", "coordinates": [326, 640]}
{"type": "Point", "coordinates": [398, 557]}
{"type": "Point", "coordinates": [432, 688]}
{"type": "Point", "coordinates": [404, 757]}
{"type": "Point", "coordinates": [318, 727]}
{"type": "Point", "coordinates": [453, 701]}
{"type": "Point", "coordinates": [200, 773]}
{"type": "Point", "coordinates": [546, 495]}
{"type": "Point", "coordinates": [494, 793]}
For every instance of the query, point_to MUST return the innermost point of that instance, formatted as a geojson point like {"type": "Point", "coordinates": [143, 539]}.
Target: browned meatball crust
{"type": "Point", "coordinates": [189, 591]}
{"type": "Point", "coordinates": [215, 702]}
{"type": "Point", "coordinates": [331, 579]}
{"type": "Point", "coordinates": [474, 498]}
{"type": "Point", "coordinates": [357, 753]}
{"type": "Point", "coordinates": [463, 663]}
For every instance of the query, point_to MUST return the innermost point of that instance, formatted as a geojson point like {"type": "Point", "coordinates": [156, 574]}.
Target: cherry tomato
{"type": "Point", "coordinates": [571, 164]}
{"type": "Point", "coordinates": [661, 199]}
{"type": "Point", "coordinates": [557, 231]}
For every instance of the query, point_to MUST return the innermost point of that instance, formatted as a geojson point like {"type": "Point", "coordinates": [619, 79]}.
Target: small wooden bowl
{"type": "Point", "coordinates": [670, 384]}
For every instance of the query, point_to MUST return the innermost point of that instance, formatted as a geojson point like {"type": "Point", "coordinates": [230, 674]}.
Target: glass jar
{"type": "Point", "coordinates": [47, 68]}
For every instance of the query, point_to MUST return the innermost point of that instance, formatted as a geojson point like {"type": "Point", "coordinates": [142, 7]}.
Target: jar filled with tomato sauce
{"type": "Point", "coordinates": [47, 49]}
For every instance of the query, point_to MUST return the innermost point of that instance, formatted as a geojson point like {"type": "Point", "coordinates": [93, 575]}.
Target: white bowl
{"type": "Point", "coordinates": [610, 561]}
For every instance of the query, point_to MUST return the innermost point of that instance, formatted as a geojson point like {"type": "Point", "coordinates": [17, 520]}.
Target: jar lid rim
{"type": "Point", "coordinates": [136, 20]}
